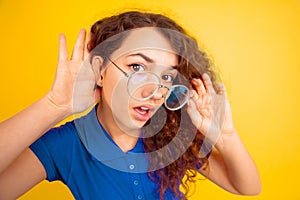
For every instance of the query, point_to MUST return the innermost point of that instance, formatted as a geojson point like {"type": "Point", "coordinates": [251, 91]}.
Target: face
{"type": "Point", "coordinates": [143, 50]}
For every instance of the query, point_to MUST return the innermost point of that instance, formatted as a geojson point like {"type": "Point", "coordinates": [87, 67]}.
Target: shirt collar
{"type": "Point", "coordinates": [98, 142]}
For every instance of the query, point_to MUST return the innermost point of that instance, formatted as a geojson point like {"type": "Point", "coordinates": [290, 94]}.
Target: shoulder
{"type": "Point", "coordinates": [57, 149]}
{"type": "Point", "coordinates": [71, 133]}
{"type": "Point", "coordinates": [58, 142]}
{"type": "Point", "coordinates": [61, 134]}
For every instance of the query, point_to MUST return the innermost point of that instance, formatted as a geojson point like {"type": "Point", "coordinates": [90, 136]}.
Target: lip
{"type": "Point", "coordinates": [138, 112]}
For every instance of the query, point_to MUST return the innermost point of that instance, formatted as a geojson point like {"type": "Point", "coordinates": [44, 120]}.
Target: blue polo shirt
{"type": "Point", "coordinates": [84, 157]}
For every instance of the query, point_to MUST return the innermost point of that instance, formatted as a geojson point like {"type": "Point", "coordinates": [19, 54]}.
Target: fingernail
{"type": "Point", "coordinates": [205, 75]}
{"type": "Point", "coordinates": [194, 80]}
{"type": "Point", "coordinates": [191, 95]}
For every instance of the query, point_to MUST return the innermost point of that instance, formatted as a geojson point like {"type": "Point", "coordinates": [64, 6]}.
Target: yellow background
{"type": "Point", "coordinates": [255, 43]}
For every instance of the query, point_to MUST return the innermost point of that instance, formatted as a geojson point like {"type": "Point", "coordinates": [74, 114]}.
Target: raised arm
{"type": "Point", "coordinates": [20, 131]}
{"type": "Point", "coordinates": [230, 165]}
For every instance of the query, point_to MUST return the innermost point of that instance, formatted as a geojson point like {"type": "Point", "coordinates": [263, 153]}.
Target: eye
{"type": "Point", "coordinates": [167, 78]}
{"type": "Point", "coordinates": [137, 67]}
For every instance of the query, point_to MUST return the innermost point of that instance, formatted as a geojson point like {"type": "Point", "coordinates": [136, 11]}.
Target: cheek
{"type": "Point", "coordinates": [110, 80]}
{"type": "Point", "coordinates": [115, 90]}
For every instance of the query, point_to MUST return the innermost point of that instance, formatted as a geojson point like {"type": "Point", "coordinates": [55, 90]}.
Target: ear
{"type": "Point", "coordinates": [97, 65]}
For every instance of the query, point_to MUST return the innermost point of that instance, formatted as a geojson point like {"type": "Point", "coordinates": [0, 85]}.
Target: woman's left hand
{"type": "Point", "coordinates": [231, 166]}
{"type": "Point", "coordinates": [209, 109]}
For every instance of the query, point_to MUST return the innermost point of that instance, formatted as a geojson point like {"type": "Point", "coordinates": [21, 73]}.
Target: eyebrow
{"type": "Point", "coordinates": [149, 60]}
{"type": "Point", "coordinates": [146, 58]}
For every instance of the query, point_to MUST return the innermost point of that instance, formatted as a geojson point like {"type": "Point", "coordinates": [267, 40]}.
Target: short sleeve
{"type": "Point", "coordinates": [54, 150]}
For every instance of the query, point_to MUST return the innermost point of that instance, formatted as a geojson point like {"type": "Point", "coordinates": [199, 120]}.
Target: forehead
{"type": "Point", "coordinates": [153, 57]}
{"type": "Point", "coordinates": [147, 40]}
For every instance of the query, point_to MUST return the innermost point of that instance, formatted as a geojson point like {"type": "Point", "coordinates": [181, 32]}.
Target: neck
{"type": "Point", "coordinates": [126, 140]}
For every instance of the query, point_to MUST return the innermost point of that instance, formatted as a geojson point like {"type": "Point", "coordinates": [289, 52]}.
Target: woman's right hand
{"type": "Point", "coordinates": [73, 90]}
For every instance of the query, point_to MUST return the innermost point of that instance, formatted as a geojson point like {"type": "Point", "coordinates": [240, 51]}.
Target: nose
{"type": "Point", "coordinates": [161, 93]}
{"type": "Point", "coordinates": [148, 91]}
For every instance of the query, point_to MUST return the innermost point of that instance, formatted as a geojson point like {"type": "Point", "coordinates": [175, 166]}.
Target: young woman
{"type": "Point", "coordinates": [161, 115]}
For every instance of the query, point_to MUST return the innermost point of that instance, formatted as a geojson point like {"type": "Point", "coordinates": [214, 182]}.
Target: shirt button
{"type": "Point", "coordinates": [131, 167]}
{"type": "Point", "coordinates": [135, 182]}
{"type": "Point", "coordinates": [140, 196]}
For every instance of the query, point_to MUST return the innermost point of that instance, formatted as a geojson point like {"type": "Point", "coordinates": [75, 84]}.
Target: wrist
{"type": "Point", "coordinates": [61, 110]}
{"type": "Point", "coordinates": [227, 139]}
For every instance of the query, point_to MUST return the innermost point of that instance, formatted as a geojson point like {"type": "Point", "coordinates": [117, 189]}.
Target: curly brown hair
{"type": "Point", "coordinates": [192, 63]}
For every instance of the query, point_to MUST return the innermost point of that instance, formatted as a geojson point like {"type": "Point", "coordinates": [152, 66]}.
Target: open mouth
{"type": "Point", "coordinates": [142, 110]}
{"type": "Point", "coordinates": [142, 113]}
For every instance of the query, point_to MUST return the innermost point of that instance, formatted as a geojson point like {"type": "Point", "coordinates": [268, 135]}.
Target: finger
{"type": "Point", "coordinates": [192, 110]}
{"type": "Point", "coordinates": [221, 89]}
{"type": "Point", "coordinates": [194, 95]}
{"type": "Point", "coordinates": [196, 99]}
{"type": "Point", "coordinates": [199, 86]}
{"type": "Point", "coordinates": [191, 106]}
{"type": "Point", "coordinates": [208, 84]}
{"type": "Point", "coordinates": [63, 49]}
{"type": "Point", "coordinates": [207, 100]}
{"type": "Point", "coordinates": [78, 49]}
{"type": "Point", "coordinates": [86, 52]}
